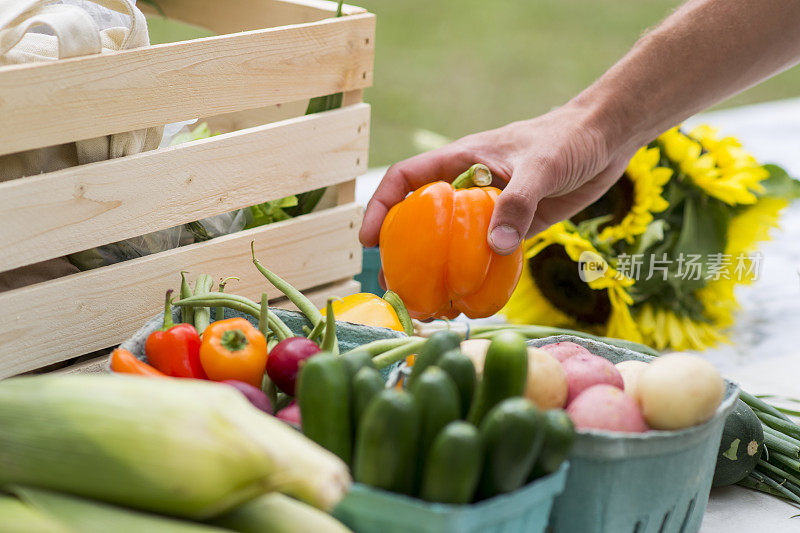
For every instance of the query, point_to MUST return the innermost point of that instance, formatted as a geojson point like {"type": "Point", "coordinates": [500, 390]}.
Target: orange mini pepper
{"type": "Point", "coordinates": [435, 255]}
{"type": "Point", "coordinates": [124, 362]}
{"type": "Point", "coordinates": [234, 349]}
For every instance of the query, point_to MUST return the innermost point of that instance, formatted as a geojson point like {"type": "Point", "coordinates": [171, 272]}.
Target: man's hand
{"type": "Point", "coordinates": [550, 167]}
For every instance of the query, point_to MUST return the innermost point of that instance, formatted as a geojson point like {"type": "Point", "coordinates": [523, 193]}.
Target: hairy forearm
{"type": "Point", "coordinates": [703, 53]}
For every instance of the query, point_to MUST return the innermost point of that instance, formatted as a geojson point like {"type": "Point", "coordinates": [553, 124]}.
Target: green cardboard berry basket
{"type": "Point", "coordinates": [656, 481]}
{"type": "Point", "coordinates": [369, 510]}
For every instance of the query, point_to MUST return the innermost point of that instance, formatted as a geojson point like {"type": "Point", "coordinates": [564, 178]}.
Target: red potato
{"type": "Point", "coordinates": [291, 415]}
{"type": "Point", "coordinates": [583, 371]}
{"type": "Point", "coordinates": [608, 408]}
{"type": "Point", "coordinates": [564, 350]}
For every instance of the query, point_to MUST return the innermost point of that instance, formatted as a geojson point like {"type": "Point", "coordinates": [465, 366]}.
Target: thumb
{"type": "Point", "coordinates": [513, 213]}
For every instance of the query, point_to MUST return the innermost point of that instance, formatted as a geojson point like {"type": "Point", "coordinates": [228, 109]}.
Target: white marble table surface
{"type": "Point", "coordinates": [764, 356]}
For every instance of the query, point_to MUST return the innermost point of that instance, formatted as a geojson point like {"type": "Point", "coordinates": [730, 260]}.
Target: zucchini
{"type": "Point", "coordinates": [436, 345]}
{"type": "Point", "coordinates": [386, 443]}
{"type": "Point", "coordinates": [367, 383]}
{"type": "Point", "coordinates": [454, 464]}
{"type": "Point", "coordinates": [513, 434]}
{"type": "Point", "coordinates": [437, 397]}
{"type": "Point", "coordinates": [559, 436]}
{"type": "Point", "coordinates": [462, 372]}
{"type": "Point", "coordinates": [323, 394]}
{"type": "Point", "coordinates": [740, 448]}
{"type": "Point", "coordinates": [505, 373]}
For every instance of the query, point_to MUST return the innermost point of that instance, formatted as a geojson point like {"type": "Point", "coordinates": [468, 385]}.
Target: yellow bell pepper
{"type": "Point", "coordinates": [367, 309]}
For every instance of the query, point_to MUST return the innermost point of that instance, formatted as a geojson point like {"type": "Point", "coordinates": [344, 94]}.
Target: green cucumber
{"type": "Point", "coordinates": [367, 383]}
{"type": "Point", "coordinates": [454, 464]}
{"type": "Point", "coordinates": [386, 445]}
{"type": "Point", "coordinates": [355, 360]}
{"type": "Point", "coordinates": [559, 436]}
{"type": "Point", "coordinates": [437, 397]}
{"type": "Point", "coordinates": [740, 448]}
{"type": "Point", "coordinates": [323, 394]}
{"type": "Point", "coordinates": [462, 372]}
{"type": "Point", "coordinates": [436, 345]}
{"type": "Point", "coordinates": [513, 434]}
{"type": "Point", "coordinates": [505, 372]}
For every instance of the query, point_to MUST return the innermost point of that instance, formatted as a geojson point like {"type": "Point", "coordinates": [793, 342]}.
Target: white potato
{"type": "Point", "coordinates": [679, 390]}
{"type": "Point", "coordinates": [631, 370]}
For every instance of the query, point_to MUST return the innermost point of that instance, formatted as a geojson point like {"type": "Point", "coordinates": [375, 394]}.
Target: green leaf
{"type": "Point", "coordinates": [201, 131]}
{"type": "Point", "coordinates": [155, 6]}
{"type": "Point", "coordinates": [780, 184]}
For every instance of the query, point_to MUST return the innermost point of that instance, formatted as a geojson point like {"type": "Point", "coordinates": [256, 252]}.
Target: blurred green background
{"type": "Point", "coordinates": [459, 67]}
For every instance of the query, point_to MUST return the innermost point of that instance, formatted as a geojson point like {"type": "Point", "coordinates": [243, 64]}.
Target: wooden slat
{"type": "Point", "coordinates": [75, 209]}
{"type": "Point", "coordinates": [44, 104]}
{"type": "Point", "coordinates": [318, 295]}
{"type": "Point", "coordinates": [230, 16]}
{"type": "Point", "coordinates": [249, 118]}
{"type": "Point", "coordinates": [70, 316]}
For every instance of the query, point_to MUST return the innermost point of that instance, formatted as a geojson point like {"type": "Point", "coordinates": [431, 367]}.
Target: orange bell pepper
{"type": "Point", "coordinates": [234, 349]}
{"type": "Point", "coordinates": [124, 362]}
{"type": "Point", "coordinates": [367, 309]}
{"type": "Point", "coordinates": [435, 255]}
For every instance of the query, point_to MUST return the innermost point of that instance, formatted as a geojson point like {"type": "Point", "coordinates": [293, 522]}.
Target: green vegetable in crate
{"type": "Point", "coordinates": [367, 383]}
{"type": "Point", "coordinates": [513, 434]}
{"type": "Point", "coordinates": [505, 373]}
{"type": "Point", "coordinates": [461, 370]}
{"type": "Point", "coordinates": [741, 446]}
{"type": "Point", "coordinates": [174, 446]}
{"type": "Point", "coordinates": [454, 463]}
{"type": "Point", "coordinates": [559, 436]}
{"type": "Point", "coordinates": [323, 393]}
{"type": "Point", "coordinates": [386, 443]}
{"type": "Point", "coordinates": [436, 345]}
{"type": "Point", "coordinates": [276, 513]}
{"type": "Point", "coordinates": [439, 403]}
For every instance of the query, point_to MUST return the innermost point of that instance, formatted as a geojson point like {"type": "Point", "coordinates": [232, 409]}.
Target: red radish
{"type": "Point", "coordinates": [284, 361]}
{"type": "Point", "coordinates": [253, 394]}
{"type": "Point", "coordinates": [290, 414]}
{"type": "Point", "coordinates": [564, 350]}
{"type": "Point", "coordinates": [583, 371]}
{"type": "Point", "coordinates": [606, 407]}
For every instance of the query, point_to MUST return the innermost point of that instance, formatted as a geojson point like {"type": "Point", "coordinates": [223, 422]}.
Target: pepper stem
{"type": "Point", "coordinates": [478, 175]}
{"type": "Point", "coordinates": [168, 322]}
{"type": "Point", "coordinates": [234, 340]}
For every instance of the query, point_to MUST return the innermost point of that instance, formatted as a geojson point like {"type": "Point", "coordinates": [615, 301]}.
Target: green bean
{"type": "Point", "coordinates": [383, 345]}
{"type": "Point", "coordinates": [219, 312]}
{"type": "Point", "coordinates": [329, 342]}
{"type": "Point", "coordinates": [263, 316]}
{"type": "Point", "coordinates": [202, 315]}
{"type": "Point", "coordinates": [296, 297]}
{"type": "Point", "coordinates": [399, 353]}
{"type": "Point", "coordinates": [238, 303]}
{"type": "Point", "coordinates": [187, 313]}
{"type": "Point", "coordinates": [402, 312]}
{"type": "Point", "coordinates": [317, 331]}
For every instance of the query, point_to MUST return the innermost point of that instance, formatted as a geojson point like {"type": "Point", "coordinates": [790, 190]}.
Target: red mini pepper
{"type": "Point", "coordinates": [175, 349]}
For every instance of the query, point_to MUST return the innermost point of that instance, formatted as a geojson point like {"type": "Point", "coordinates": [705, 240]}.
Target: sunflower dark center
{"type": "Point", "coordinates": [556, 277]}
{"type": "Point", "coordinates": [617, 201]}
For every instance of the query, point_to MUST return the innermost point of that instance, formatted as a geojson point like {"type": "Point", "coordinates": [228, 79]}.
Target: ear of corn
{"type": "Point", "coordinates": [181, 447]}
{"type": "Point", "coordinates": [276, 513]}
{"type": "Point", "coordinates": [87, 516]}
{"type": "Point", "coordinates": [19, 517]}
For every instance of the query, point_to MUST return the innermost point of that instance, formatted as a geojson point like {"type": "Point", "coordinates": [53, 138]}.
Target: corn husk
{"type": "Point", "coordinates": [19, 517]}
{"type": "Point", "coordinates": [78, 515]}
{"type": "Point", "coordinates": [181, 447]}
{"type": "Point", "coordinates": [276, 513]}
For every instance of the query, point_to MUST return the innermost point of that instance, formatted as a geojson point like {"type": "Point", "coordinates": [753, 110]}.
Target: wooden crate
{"type": "Point", "coordinates": [269, 55]}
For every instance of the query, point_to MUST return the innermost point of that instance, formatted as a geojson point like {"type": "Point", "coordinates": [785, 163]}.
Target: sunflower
{"type": "Point", "coordinates": [662, 328]}
{"type": "Point", "coordinates": [633, 199]}
{"type": "Point", "coordinates": [719, 167]}
{"type": "Point", "coordinates": [552, 292]}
